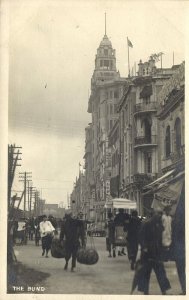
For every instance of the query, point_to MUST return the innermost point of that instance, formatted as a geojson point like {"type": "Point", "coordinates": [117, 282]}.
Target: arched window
{"type": "Point", "coordinates": [168, 142]}
{"type": "Point", "coordinates": [177, 131]}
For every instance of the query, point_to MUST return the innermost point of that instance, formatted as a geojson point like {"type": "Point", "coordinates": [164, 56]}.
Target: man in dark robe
{"type": "Point", "coordinates": [151, 254]}
{"type": "Point", "coordinates": [73, 231]}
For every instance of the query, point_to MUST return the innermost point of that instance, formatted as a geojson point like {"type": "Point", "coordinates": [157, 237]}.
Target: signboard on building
{"type": "Point", "coordinates": [108, 187]}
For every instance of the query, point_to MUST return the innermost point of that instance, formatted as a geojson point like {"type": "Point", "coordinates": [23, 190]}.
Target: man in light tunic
{"type": "Point", "coordinates": [46, 230]}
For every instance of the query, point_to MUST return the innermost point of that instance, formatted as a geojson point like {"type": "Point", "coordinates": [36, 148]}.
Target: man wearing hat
{"type": "Point", "coordinates": [46, 231]}
{"type": "Point", "coordinates": [73, 231]}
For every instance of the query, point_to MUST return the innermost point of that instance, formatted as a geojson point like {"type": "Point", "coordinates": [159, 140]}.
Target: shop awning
{"type": "Point", "coordinates": [158, 181]}
{"type": "Point", "coordinates": [168, 193]}
{"type": "Point", "coordinates": [121, 203]}
{"type": "Point", "coordinates": [146, 92]}
{"type": "Point", "coordinates": [169, 181]}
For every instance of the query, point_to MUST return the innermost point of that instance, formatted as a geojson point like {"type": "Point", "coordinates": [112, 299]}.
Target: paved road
{"type": "Point", "coordinates": [109, 276]}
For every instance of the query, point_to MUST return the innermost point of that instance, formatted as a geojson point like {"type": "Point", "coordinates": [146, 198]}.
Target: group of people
{"type": "Point", "coordinates": [24, 229]}
{"type": "Point", "coordinates": [153, 241]}
{"type": "Point", "coordinates": [159, 239]}
{"type": "Point", "coordinates": [72, 231]}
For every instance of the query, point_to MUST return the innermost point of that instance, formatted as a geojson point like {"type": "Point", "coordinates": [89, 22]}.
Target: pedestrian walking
{"type": "Point", "coordinates": [37, 230]}
{"type": "Point", "coordinates": [151, 255]}
{"type": "Point", "coordinates": [46, 231]}
{"type": "Point", "coordinates": [133, 237]}
{"type": "Point", "coordinates": [31, 228]}
{"type": "Point", "coordinates": [110, 234]}
{"type": "Point", "coordinates": [21, 231]}
{"type": "Point", "coordinates": [178, 241]}
{"type": "Point", "coordinates": [73, 232]}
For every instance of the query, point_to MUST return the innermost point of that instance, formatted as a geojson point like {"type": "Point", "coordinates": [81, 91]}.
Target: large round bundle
{"type": "Point", "coordinates": [87, 256]}
{"type": "Point", "coordinates": [91, 256]}
{"type": "Point", "coordinates": [58, 248]}
{"type": "Point", "coordinates": [81, 255]}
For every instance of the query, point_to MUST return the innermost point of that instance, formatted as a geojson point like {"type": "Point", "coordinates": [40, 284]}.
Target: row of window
{"type": "Point", "coordinates": [106, 52]}
{"type": "Point", "coordinates": [112, 94]}
{"type": "Point", "coordinates": [106, 64]}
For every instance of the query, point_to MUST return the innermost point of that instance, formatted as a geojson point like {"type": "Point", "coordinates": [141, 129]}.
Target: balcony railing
{"type": "Point", "coordinates": [143, 107]}
{"type": "Point", "coordinates": [146, 140]}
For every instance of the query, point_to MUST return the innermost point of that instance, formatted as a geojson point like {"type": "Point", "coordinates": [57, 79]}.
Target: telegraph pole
{"type": "Point", "coordinates": [36, 203]}
{"type": "Point", "coordinates": [25, 176]}
{"type": "Point", "coordinates": [31, 193]}
{"type": "Point", "coordinates": [13, 158]}
{"type": "Point", "coordinates": [28, 195]}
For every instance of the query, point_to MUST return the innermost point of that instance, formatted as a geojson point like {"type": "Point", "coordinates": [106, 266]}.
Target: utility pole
{"type": "Point", "coordinates": [25, 176]}
{"type": "Point", "coordinates": [28, 195]}
{"type": "Point", "coordinates": [31, 197]}
{"type": "Point", "coordinates": [36, 203]}
{"type": "Point", "coordinates": [13, 158]}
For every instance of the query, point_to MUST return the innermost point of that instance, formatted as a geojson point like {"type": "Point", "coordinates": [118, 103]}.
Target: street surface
{"type": "Point", "coordinates": [109, 276]}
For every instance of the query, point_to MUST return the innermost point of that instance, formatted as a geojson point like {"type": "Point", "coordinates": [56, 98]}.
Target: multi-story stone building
{"type": "Point", "coordinates": [171, 117]}
{"type": "Point", "coordinates": [136, 133]}
{"type": "Point", "coordinates": [114, 148]}
{"type": "Point", "coordinates": [90, 186]}
{"type": "Point", "coordinates": [168, 189]}
{"type": "Point", "coordinates": [106, 91]}
{"type": "Point", "coordinates": [139, 132]}
{"type": "Point", "coordinates": [78, 199]}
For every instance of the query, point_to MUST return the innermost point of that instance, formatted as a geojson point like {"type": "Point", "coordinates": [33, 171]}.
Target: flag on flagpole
{"type": "Point", "coordinates": [129, 43]}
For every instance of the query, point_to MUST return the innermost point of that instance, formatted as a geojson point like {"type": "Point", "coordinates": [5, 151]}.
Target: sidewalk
{"type": "Point", "coordinates": [110, 276]}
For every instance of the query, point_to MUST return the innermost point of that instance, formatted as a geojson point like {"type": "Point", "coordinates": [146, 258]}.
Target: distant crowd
{"type": "Point", "coordinates": [24, 229]}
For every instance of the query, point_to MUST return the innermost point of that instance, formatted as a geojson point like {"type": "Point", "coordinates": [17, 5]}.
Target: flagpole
{"type": "Point", "coordinates": [105, 23]}
{"type": "Point", "coordinates": [173, 59]}
{"type": "Point", "coordinates": [128, 59]}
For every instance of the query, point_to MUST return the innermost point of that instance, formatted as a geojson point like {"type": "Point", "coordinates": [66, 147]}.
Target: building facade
{"type": "Point", "coordinates": [106, 91]}
{"type": "Point", "coordinates": [136, 133]}
{"type": "Point", "coordinates": [140, 140]}
{"type": "Point", "coordinates": [90, 185]}
{"type": "Point", "coordinates": [114, 148]}
{"type": "Point", "coordinates": [171, 115]}
{"type": "Point", "coordinates": [78, 197]}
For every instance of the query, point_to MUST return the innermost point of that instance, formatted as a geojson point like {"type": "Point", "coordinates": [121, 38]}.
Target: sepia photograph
{"type": "Point", "coordinates": [95, 147]}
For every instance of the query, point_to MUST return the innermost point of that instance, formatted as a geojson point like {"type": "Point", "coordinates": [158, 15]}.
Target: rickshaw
{"type": "Point", "coordinates": [113, 206]}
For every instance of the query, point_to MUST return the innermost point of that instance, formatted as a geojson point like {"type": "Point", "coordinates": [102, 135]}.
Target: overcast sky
{"type": "Point", "coordinates": [52, 50]}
